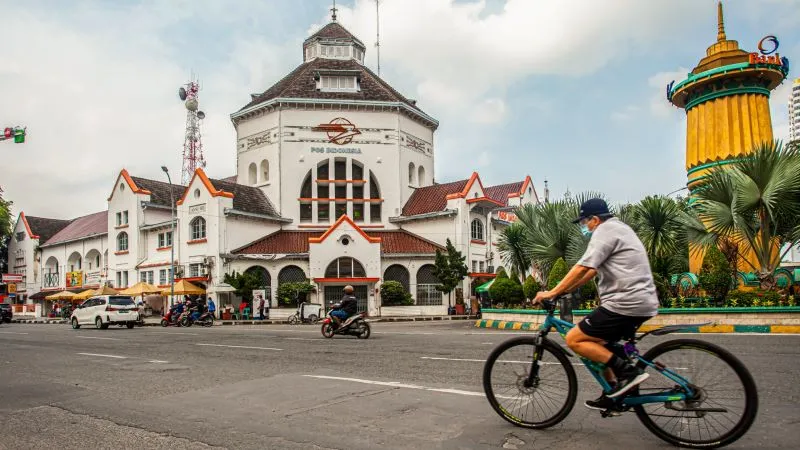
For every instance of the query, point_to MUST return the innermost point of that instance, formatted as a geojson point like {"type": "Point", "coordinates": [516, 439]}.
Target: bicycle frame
{"type": "Point", "coordinates": [596, 369]}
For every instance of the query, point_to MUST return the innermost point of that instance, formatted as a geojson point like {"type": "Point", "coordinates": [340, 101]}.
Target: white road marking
{"type": "Point", "coordinates": [167, 332]}
{"type": "Point", "coordinates": [96, 337]}
{"type": "Point", "coordinates": [157, 361]}
{"type": "Point", "coordinates": [241, 346]}
{"type": "Point", "coordinates": [397, 384]}
{"type": "Point", "coordinates": [11, 332]}
{"type": "Point", "coordinates": [499, 360]}
{"type": "Point", "coordinates": [301, 339]}
{"type": "Point", "coordinates": [104, 356]}
{"type": "Point", "coordinates": [486, 343]}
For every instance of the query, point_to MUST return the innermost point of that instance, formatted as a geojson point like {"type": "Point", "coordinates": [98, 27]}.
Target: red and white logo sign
{"type": "Point", "coordinates": [12, 277]}
{"type": "Point", "coordinates": [340, 131]}
{"type": "Point", "coordinates": [507, 216]}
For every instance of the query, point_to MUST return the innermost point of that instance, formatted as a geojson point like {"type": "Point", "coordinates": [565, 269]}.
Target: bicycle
{"type": "Point", "coordinates": [687, 395]}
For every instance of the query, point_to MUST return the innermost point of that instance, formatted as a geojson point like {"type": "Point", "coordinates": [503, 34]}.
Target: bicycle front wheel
{"type": "Point", "coordinates": [541, 404]}
{"type": "Point", "coordinates": [723, 407]}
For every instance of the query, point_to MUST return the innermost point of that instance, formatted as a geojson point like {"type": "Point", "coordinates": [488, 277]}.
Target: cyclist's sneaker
{"type": "Point", "coordinates": [601, 403]}
{"type": "Point", "coordinates": [627, 378]}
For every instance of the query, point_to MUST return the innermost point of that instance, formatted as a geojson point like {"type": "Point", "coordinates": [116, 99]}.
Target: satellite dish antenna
{"type": "Point", "coordinates": [201, 115]}
{"type": "Point", "coordinates": [191, 104]}
{"type": "Point", "coordinates": [182, 94]}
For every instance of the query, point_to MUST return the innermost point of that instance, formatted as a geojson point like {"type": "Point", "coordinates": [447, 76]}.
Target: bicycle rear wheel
{"type": "Point", "coordinates": [720, 380]}
{"type": "Point", "coordinates": [541, 405]}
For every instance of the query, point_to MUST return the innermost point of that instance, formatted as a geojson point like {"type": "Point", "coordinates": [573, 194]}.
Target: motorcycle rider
{"type": "Point", "coordinates": [346, 307]}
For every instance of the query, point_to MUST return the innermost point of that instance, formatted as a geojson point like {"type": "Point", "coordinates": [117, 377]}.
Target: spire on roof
{"type": "Point", "coordinates": [333, 12]}
{"type": "Point", "coordinates": [720, 23]}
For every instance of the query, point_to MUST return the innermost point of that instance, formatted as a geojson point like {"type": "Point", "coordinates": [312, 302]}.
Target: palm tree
{"type": "Point", "coordinates": [755, 203]}
{"type": "Point", "coordinates": [511, 245]}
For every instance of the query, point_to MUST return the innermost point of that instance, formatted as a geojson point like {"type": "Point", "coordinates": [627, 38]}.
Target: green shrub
{"type": "Point", "coordinates": [506, 291]}
{"type": "Point", "coordinates": [291, 294]}
{"type": "Point", "coordinates": [589, 290]}
{"type": "Point", "coordinates": [394, 294]}
{"type": "Point", "coordinates": [715, 275]}
{"type": "Point", "coordinates": [531, 287]}
{"type": "Point", "coordinates": [501, 273]}
{"type": "Point", "coordinates": [557, 273]}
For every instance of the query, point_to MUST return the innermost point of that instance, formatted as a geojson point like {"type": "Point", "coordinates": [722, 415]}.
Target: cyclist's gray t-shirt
{"type": "Point", "coordinates": [625, 282]}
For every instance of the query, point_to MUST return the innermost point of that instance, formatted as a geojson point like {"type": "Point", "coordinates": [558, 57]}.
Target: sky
{"type": "Point", "coordinates": [569, 91]}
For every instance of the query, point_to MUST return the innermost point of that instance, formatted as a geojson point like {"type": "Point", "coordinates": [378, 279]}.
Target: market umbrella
{"type": "Point", "coordinates": [63, 295]}
{"type": "Point", "coordinates": [83, 295]}
{"type": "Point", "coordinates": [484, 287]}
{"type": "Point", "coordinates": [140, 289]}
{"type": "Point", "coordinates": [105, 290]}
{"type": "Point", "coordinates": [184, 287]}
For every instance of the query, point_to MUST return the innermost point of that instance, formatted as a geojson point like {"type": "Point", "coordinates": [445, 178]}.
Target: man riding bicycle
{"type": "Point", "coordinates": [627, 296]}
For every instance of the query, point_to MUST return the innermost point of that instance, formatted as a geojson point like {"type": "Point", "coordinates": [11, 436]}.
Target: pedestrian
{"type": "Point", "coordinates": [260, 307]}
{"type": "Point", "coordinates": [212, 308]}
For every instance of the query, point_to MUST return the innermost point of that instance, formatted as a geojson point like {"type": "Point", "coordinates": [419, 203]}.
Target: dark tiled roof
{"type": "Point", "coordinates": [300, 83]}
{"type": "Point", "coordinates": [230, 179]}
{"type": "Point", "coordinates": [501, 191]}
{"type": "Point", "coordinates": [159, 190]}
{"type": "Point", "coordinates": [45, 228]}
{"type": "Point", "coordinates": [433, 198]}
{"type": "Point", "coordinates": [247, 198]}
{"type": "Point", "coordinates": [334, 31]}
{"type": "Point", "coordinates": [293, 242]}
{"type": "Point", "coordinates": [82, 227]}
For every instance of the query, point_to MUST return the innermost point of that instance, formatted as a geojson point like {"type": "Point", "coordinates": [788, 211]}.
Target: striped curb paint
{"type": "Point", "coordinates": [714, 328]}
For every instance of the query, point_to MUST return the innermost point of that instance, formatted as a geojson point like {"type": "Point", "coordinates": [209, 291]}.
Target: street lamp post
{"type": "Point", "coordinates": [172, 244]}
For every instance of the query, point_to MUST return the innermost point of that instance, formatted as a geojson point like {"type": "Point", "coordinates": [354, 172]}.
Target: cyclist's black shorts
{"type": "Point", "coordinates": [610, 326]}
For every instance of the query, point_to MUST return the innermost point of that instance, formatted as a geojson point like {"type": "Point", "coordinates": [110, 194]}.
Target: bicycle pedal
{"type": "Point", "coordinates": [610, 413]}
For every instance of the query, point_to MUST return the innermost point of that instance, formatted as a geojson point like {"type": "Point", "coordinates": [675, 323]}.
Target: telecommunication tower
{"type": "Point", "coordinates": [192, 143]}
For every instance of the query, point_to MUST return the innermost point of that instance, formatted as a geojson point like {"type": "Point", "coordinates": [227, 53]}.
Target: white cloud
{"type": "Point", "coordinates": [489, 111]}
{"type": "Point", "coordinates": [659, 105]}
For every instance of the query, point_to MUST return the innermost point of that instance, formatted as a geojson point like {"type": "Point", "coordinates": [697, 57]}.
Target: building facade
{"type": "Point", "coordinates": [334, 186]}
{"type": "Point", "coordinates": [794, 111]}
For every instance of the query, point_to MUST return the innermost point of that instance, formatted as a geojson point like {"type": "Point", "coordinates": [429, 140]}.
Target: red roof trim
{"type": "Point", "coordinates": [207, 183]}
{"type": "Point", "coordinates": [28, 227]}
{"type": "Point", "coordinates": [342, 219]}
{"type": "Point", "coordinates": [347, 280]}
{"type": "Point", "coordinates": [484, 199]}
{"type": "Point", "coordinates": [524, 186]}
{"type": "Point", "coordinates": [131, 184]}
{"type": "Point", "coordinates": [466, 189]}
{"type": "Point", "coordinates": [482, 275]}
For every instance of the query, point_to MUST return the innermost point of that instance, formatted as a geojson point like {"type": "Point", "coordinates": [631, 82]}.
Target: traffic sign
{"type": "Point", "coordinates": [12, 277]}
{"type": "Point", "coordinates": [12, 288]}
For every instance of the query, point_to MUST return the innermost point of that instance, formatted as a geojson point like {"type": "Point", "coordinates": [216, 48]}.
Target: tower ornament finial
{"type": "Point", "coordinates": [720, 23]}
{"type": "Point", "coordinates": [333, 12]}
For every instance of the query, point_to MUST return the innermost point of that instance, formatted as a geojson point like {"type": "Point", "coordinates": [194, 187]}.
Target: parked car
{"type": "Point", "coordinates": [5, 313]}
{"type": "Point", "coordinates": [105, 310]}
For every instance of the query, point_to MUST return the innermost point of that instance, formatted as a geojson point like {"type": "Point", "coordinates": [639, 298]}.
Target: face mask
{"type": "Point", "coordinates": [586, 231]}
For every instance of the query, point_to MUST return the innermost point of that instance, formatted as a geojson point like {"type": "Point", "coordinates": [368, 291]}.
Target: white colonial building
{"type": "Point", "coordinates": [335, 185]}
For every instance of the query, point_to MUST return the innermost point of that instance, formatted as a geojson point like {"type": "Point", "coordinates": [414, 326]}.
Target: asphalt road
{"type": "Point", "coordinates": [411, 385]}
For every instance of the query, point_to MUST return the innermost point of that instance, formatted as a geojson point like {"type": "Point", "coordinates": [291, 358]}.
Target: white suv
{"type": "Point", "coordinates": [105, 310]}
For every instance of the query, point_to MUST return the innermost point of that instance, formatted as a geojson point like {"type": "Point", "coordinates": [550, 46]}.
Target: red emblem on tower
{"type": "Point", "coordinates": [340, 131]}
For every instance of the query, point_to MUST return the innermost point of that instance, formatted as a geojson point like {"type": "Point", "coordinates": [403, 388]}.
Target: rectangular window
{"type": "Point", "coordinates": [124, 217]}
{"type": "Point", "coordinates": [339, 50]}
{"type": "Point", "coordinates": [169, 238]}
{"type": "Point", "coordinates": [358, 212]}
{"type": "Point", "coordinates": [331, 83]}
{"type": "Point", "coordinates": [358, 191]}
{"type": "Point", "coordinates": [474, 266]}
{"type": "Point", "coordinates": [324, 212]}
{"type": "Point", "coordinates": [162, 240]}
{"type": "Point", "coordinates": [125, 278]}
{"type": "Point", "coordinates": [340, 170]}
{"type": "Point", "coordinates": [305, 212]}
{"type": "Point", "coordinates": [119, 280]}
{"type": "Point", "coordinates": [119, 218]}
{"type": "Point", "coordinates": [195, 270]}
{"type": "Point", "coordinates": [358, 172]}
{"type": "Point", "coordinates": [341, 191]}
{"type": "Point", "coordinates": [143, 277]}
{"type": "Point", "coordinates": [162, 277]}
{"type": "Point", "coordinates": [427, 295]}
{"type": "Point", "coordinates": [323, 191]}
{"type": "Point", "coordinates": [20, 236]}
{"type": "Point", "coordinates": [481, 267]}
{"type": "Point", "coordinates": [341, 209]}
{"type": "Point", "coordinates": [375, 212]}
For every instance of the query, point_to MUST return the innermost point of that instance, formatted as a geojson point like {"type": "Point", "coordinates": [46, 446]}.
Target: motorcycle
{"type": "Point", "coordinates": [206, 319]}
{"type": "Point", "coordinates": [355, 325]}
{"type": "Point", "coordinates": [170, 319]}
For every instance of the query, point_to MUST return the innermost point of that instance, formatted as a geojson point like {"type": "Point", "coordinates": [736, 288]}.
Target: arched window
{"type": "Point", "coordinates": [345, 267]}
{"type": "Point", "coordinates": [421, 177]}
{"type": "Point", "coordinates": [411, 173]}
{"type": "Point", "coordinates": [122, 242]}
{"type": "Point", "coordinates": [265, 280]}
{"type": "Point", "coordinates": [291, 274]}
{"type": "Point", "coordinates": [305, 189]}
{"type": "Point", "coordinates": [251, 174]}
{"type": "Point", "coordinates": [74, 262]}
{"type": "Point", "coordinates": [427, 295]}
{"type": "Point", "coordinates": [264, 171]}
{"type": "Point", "coordinates": [477, 229]}
{"type": "Point", "coordinates": [398, 273]}
{"type": "Point", "coordinates": [375, 194]}
{"type": "Point", "coordinates": [198, 228]}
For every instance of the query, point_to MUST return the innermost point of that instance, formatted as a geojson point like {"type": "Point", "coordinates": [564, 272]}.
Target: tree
{"type": "Point", "coordinates": [557, 273]}
{"type": "Point", "coordinates": [715, 276]}
{"type": "Point", "coordinates": [531, 287]}
{"type": "Point", "coordinates": [450, 269]}
{"type": "Point", "coordinates": [754, 202]}
{"type": "Point", "coordinates": [6, 229]}
{"type": "Point", "coordinates": [394, 294]}
{"type": "Point", "coordinates": [511, 245]}
{"type": "Point", "coordinates": [501, 273]}
{"type": "Point", "coordinates": [292, 294]}
{"type": "Point", "coordinates": [515, 277]}
{"type": "Point", "coordinates": [506, 290]}
{"type": "Point", "coordinates": [244, 283]}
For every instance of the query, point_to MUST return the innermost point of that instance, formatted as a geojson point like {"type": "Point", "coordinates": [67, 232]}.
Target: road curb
{"type": "Point", "coordinates": [714, 328]}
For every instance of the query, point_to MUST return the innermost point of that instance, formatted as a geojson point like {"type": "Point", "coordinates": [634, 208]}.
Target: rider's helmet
{"type": "Point", "coordinates": [348, 289]}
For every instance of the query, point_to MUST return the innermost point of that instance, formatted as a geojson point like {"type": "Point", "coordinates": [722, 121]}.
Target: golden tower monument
{"type": "Point", "coordinates": [726, 99]}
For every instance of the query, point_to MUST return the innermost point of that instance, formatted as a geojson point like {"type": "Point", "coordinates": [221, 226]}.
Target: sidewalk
{"type": "Point", "coordinates": [713, 328]}
{"type": "Point", "coordinates": [154, 321]}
